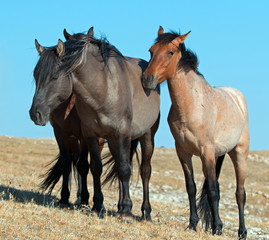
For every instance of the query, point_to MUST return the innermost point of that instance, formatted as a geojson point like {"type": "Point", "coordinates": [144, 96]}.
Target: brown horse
{"type": "Point", "coordinates": [205, 121]}
{"type": "Point", "coordinates": [110, 101]}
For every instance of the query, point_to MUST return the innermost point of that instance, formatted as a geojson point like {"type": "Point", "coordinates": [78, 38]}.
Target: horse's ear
{"type": "Point", "coordinates": [39, 48]}
{"type": "Point", "coordinates": [180, 39]}
{"type": "Point", "coordinates": [90, 33]}
{"type": "Point", "coordinates": [67, 35]}
{"type": "Point", "coordinates": [60, 48]}
{"type": "Point", "coordinates": [160, 31]}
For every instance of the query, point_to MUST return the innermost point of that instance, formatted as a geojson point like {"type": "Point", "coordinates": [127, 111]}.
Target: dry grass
{"type": "Point", "coordinates": [27, 214]}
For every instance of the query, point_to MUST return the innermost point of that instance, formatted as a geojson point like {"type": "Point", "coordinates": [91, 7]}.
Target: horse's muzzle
{"type": "Point", "coordinates": [38, 117]}
{"type": "Point", "coordinates": [149, 81]}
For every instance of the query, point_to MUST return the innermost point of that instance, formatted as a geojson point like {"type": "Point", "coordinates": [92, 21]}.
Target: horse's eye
{"type": "Point", "coordinates": [54, 77]}
{"type": "Point", "coordinates": [171, 53]}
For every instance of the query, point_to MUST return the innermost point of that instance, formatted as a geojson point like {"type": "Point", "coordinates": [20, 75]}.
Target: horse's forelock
{"type": "Point", "coordinates": [46, 64]}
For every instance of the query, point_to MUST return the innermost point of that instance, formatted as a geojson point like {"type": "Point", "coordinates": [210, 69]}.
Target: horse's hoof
{"type": "Point", "coordinates": [217, 231]}
{"type": "Point", "coordinates": [78, 202]}
{"type": "Point", "coordinates": [99, 210]}
{"type": "Point", "coordinates": [191, 227]}
{"type": "Point", "coordinates": [63, 204]}
{"type": "Point", "coordinates": [242, 235]}
{"type": "Point", "coordinates": [125, 217]}
{"type": "Point", "coordinates": [146, 218]}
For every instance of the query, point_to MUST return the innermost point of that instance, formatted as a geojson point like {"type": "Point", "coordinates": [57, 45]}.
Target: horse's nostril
{"type": "Point", "coordinates": [38, 115]}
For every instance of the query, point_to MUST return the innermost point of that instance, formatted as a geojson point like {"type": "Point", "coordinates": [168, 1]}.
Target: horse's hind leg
{"type": "Point", "coordinates": [119, 147]}
{"type": "Point", "coordinates": [239, 158]}
{"type": "Point", "coordinates": [147, 148]}
{"type": "Point", "coordinates": [209, 169]}
{"type": "Point", "coordinates": [186, 162]}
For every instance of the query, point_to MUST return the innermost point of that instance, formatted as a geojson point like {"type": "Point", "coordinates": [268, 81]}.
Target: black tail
{"type": "Point", "coordinates": [111, 174]}
{"type": "Point", "coordinates": [203, 203]}
{"type": "Point", "coordinates": [53, 175]}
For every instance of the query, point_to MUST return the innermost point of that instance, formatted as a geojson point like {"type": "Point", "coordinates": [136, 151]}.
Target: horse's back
{"type": "Point", "coordinates": [238, 98]}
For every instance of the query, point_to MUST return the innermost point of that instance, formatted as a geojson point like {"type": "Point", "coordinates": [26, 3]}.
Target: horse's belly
{"type": "Point", "coordinates": [142, 123]}
{"type": "Point", "coordinates": [227, 137]}
{"type": "Point", "coordinates": [146, 111]}
{"type": "Point", "coordinates": [223, 146]}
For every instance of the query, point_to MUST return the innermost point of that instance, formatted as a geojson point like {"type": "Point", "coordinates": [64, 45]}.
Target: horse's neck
{"type": "Point", "coordinates": [186, 90]}
{"type": "Point", "coordinates": [180, 89]}
{"type": "Point", "coordinates": [93, 83]}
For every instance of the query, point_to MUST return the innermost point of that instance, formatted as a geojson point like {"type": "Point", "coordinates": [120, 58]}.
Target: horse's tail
{"type": "Point", "coordinates": [203, 203]}
{"type": "Point", "coordinates": [111, 174]}
{"type": "Point", "coordinates": [53, 175]}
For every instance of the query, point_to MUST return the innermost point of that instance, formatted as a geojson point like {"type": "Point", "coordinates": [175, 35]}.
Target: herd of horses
{"type": "Point", "coordinates": [90, 92]}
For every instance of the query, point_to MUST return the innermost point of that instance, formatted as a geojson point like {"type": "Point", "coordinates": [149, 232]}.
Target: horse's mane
{"type": "Point", "coordinates": [75, 50]}
{"type": "Point", "coordinates": [189, 60]}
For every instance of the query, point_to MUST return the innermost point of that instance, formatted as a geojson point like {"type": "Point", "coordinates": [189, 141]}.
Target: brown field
{"type": "Point", "coordinates": [27, 214]}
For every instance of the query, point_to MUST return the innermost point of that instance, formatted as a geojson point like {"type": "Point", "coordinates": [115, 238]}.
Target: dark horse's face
{"type": "Point", "coordinates": [163, 62]}
{"type": "Point", "coordinates": [53, 86]}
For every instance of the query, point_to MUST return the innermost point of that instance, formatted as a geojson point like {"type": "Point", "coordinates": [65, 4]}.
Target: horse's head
{"type": "Point", "coordinates": [165, 55]}
{"type": "Point", "coordinates": [53, 86]}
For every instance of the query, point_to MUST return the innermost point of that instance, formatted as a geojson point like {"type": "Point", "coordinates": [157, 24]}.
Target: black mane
{"type": "Point", "coordinates": [47, 63]}
{"type": "Point", "coordinates": [50, 63]}
{"type": "Point", "coordinates": [74, 51]}
{"type": "Point", "coordinates": [189, 60]}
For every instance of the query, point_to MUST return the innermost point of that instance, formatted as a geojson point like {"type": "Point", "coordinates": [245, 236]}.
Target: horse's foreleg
{"type": "Point", "coordinates": [209, 169]}
{"type": "Point", "coordinates": [96, 168]}
{"type": "Point", "coordinates": [66, 156]}
{"type": "Point", "coordinates": [83, 170]}
{"type": "Point", "coordinates": [186, 162]}
{"type": "Point", "coordinates": [239, 158]}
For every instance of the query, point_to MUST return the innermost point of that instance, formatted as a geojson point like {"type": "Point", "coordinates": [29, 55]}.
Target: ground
{"type": "Point", "coordinates": [25, 213]}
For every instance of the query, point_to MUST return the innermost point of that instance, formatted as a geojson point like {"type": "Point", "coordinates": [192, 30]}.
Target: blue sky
{"type": "Point", "coordinates": [231, 39]}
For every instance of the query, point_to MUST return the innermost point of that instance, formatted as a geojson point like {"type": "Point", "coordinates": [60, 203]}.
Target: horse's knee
{"type": "Point", "coordinates": [124, 171]}
{"type": "Point", "coordinates": [96, 167]}
{"type": "Point", "coordinates": [83, 168]}
{"type": "Point", "coordinates": [145, 170]}
{"type": "Point", "coordinates": [191, 188]}
{"type": "Point", "coordinates": [240, 196]}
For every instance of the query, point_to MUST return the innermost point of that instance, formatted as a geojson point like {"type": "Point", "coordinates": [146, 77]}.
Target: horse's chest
{"type": "Point", "coordinates": [183, 136]}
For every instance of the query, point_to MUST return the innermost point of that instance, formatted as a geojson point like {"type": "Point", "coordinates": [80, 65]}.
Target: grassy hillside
{"type": "Point", "coordinates": [27, 214]}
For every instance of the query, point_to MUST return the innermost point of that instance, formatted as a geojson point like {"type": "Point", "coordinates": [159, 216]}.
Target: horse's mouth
{"type": "Point", "coordinates": [38, 118]}
{"type": "Point", "coordinates": [149, 82]}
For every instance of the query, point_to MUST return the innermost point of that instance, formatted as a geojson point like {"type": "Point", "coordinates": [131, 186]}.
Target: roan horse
{"type": "Point", "coordinates": [67, 131]}
{"type": "Point", "coordinates": [205, 121]}
{"type": "Point", "coordinates": [110, 100]}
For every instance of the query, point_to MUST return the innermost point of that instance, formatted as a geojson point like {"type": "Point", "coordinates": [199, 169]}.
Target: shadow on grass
{"type": "Point", "coordinates": [46, 200]}
{"type": "Point", "coordinates": [23, 196]}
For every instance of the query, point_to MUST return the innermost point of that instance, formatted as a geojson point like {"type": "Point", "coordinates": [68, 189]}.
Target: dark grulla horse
{"type": "Point", "coordinates": [110, 101]}
{"type": "Point", "coordinates": [205, 121]}
{"type": "Point", "coordinates": [72, 149]}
